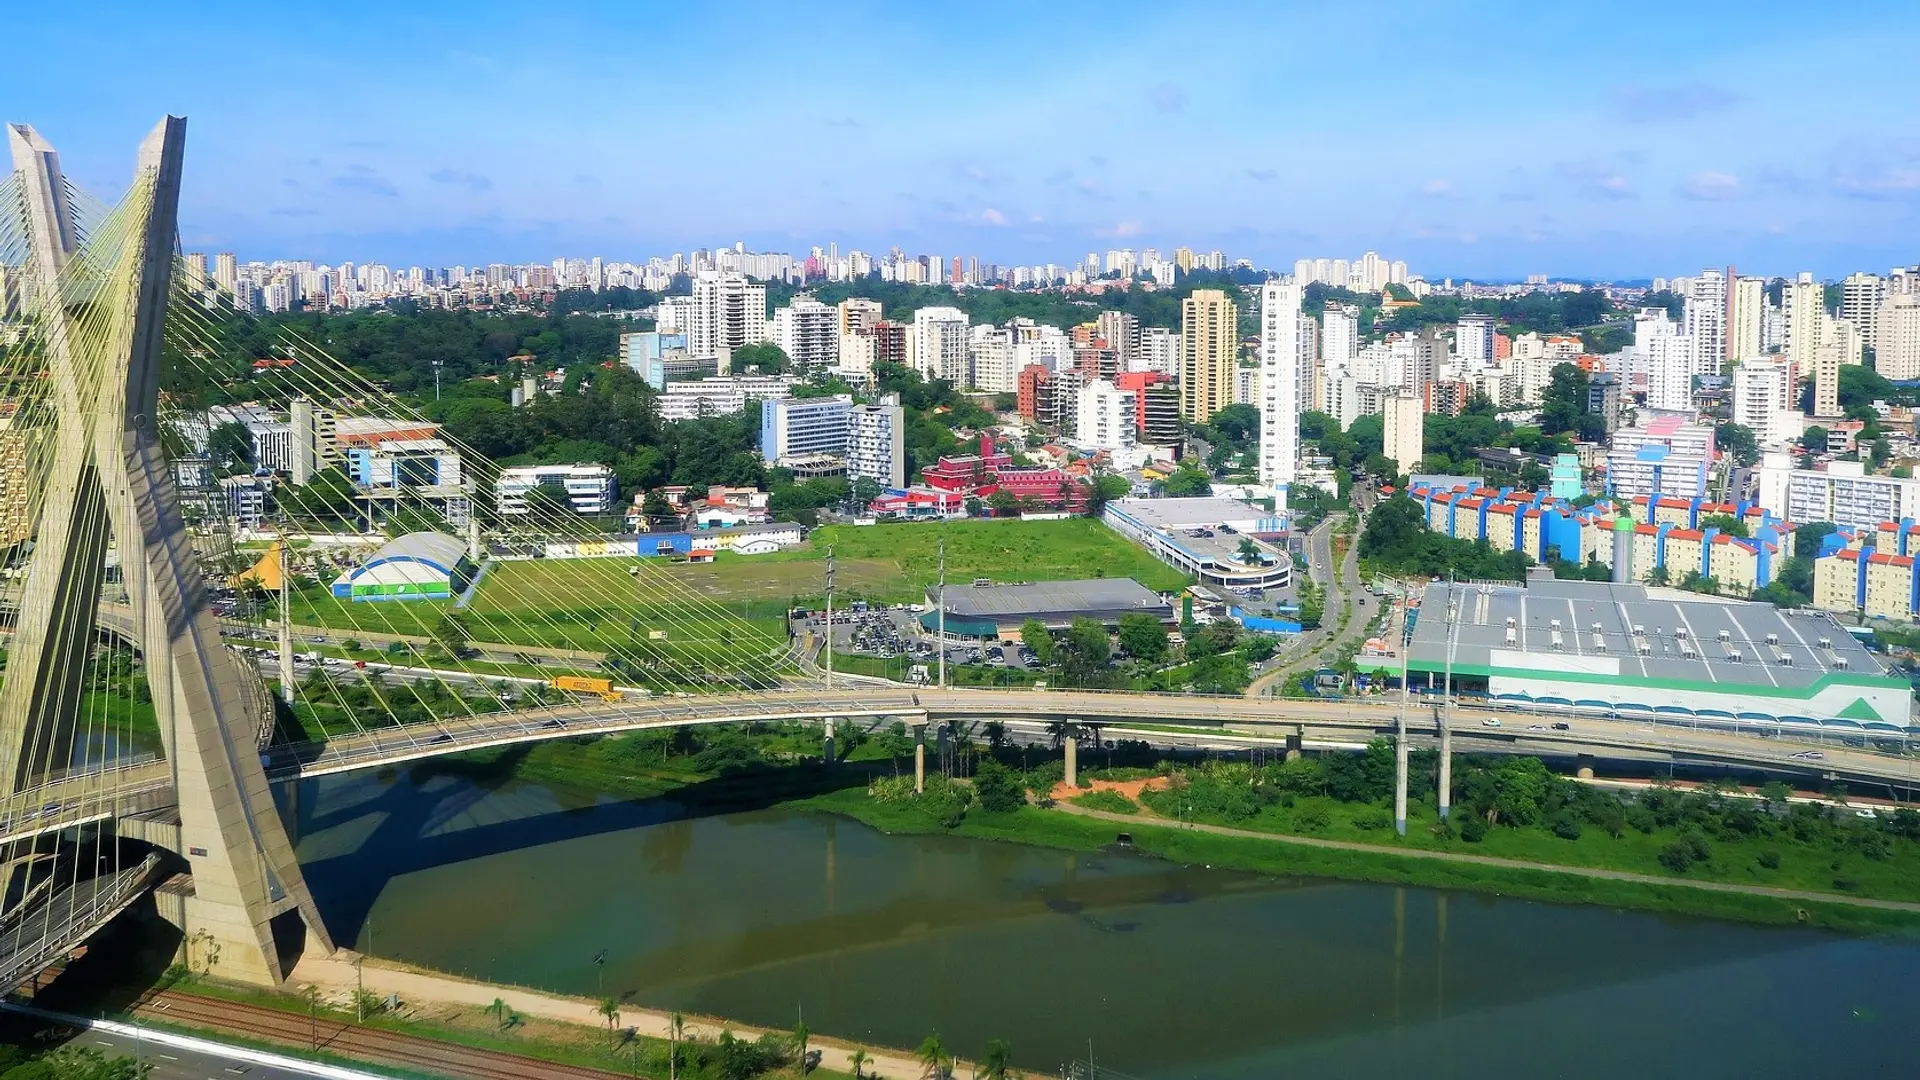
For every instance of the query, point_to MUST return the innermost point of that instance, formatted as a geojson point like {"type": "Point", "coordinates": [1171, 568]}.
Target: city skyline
{"type": "Point", "coordinates": [1494, 144]}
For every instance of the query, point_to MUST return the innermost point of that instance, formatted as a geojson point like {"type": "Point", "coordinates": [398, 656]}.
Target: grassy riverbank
{"type": "Point", "coordinates": [1166, 840]}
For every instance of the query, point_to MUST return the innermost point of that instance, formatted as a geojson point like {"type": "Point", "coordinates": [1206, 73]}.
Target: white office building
{"type": "Point", "coordinates": [937, 345]}
{"type": "Point", "coordinates": [1861, 296]}
{"type": "Point", "coordinates": [1805, 302]}
{"type": "Point", "coordinates": [877, 442]}
{"type": "Point", "coordinates": [802, 427]}
{"type": "Point", "coordinates": [1340, 335]}
{"type": "Point", "coordinates": [589, 488]}
{"type": "Point", "coordinates": [720, 395]}
{"type": "Point", "coordinates": [992, 356]}
{"type": "Point", "coordinates": [1745, 326]}
{"type": "Point", "coordinates": [1279, 394]}
{"type": "Point", "coordinates": [1897, 356]}
{"type": "Point", "coordinates": [1159, 351]}
{"type": "Point", "coordinates": [808, 331]}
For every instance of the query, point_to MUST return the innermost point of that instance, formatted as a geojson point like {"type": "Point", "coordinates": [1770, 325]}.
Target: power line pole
{"type": "Point", "coordinates": [1446, 719]}
{"type": "Point", "coordinates": [941, 613]}
{"type": "Point", "coordinates": [286, 625]}
{"type": "Point", "coordinates": [1400, 735]}
{"type": "Point", "coordinates": [829, 646]}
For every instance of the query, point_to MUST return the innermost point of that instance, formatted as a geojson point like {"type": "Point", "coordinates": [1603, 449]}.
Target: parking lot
{"type": "Point", "coordinates": [890, 632]}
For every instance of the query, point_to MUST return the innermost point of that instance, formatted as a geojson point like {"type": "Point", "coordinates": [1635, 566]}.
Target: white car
{"type": "Point", "coordinates": [1810, 755]}
{"type": "Point", "coordinates": [1536, 727]}
{"type": "Point", "coordinates": [1489, 722]}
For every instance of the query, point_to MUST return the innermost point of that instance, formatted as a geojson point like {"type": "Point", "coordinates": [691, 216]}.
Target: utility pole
{"type": "Point", "coordinates": [940, 608]}
{"type": "Point", "coordinates": [827, 748]}
{"type": "Point", "coordinates": [1446, 719]}
{"type": "Point", "coordinates": [286, 624]}
{"type": "Point", "coordinates": [436, 380]}
{"type": "Point", "coordinates": [1400, 736]}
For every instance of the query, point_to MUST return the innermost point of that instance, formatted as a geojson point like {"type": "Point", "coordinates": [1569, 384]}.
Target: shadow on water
{"type": "Point", "coordinates": [415, 812]}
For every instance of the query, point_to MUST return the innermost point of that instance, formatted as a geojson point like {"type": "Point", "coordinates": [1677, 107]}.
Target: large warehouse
{"type": "Point", "coordinates": [997, 611]}
{"type": "Point", "coordinates": [1581, 644]}
{"type": "Point", "coordinates": [417, 566]}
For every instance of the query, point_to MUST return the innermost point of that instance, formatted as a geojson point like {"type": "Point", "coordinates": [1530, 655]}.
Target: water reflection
{"type": "Point", "coordinates": [1172, 971]}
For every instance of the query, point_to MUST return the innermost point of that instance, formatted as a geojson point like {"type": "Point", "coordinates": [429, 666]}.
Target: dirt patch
{"type": "Point", "coordinates": [1130, 788]}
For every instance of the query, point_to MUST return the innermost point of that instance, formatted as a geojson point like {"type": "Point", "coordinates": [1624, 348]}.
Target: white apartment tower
{"type": "Point", "coordinates": [937, 345]}
{"type": "Point", "coordinates": [1104, 419]}
{"type": "Point", "coordinates": [728, 312]}
{"type": "Point", "coordinates": [1759, 392]}
{"type": "Point", "coordinates": [1473, 339]}
{"type": "Point", "coordinates": [1860, 298]}
{"type": "Point", "coordinates": [1805, 301]}
{"type": "Point", "coordinates": [877, 442]}
{"type": "Point", "coordinates": [1706, 321]}
{"type": "Point", "coordinates": [1279, 393]}
{"type": "Point", "coordinates": [1667, 354]}
{"type": "Point", "coordinates": [1339, 335]}
{"type": "Point", "coordinates": [808, 331]}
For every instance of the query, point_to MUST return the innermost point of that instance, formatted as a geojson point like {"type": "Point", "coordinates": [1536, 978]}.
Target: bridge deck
{"type": "Point", "coordinates": [42, 935]}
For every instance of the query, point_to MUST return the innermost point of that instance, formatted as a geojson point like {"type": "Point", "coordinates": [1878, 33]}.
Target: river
{"type": "Point", "coordinates": [1163, 971]}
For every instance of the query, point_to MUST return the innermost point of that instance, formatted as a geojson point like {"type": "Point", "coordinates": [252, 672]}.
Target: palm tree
{"type": "Point", "coordinates": [998, 1059]}
{"type": "Point", "coordinates": [499, 1011]}
{"type": "Point", "coordinates": [610, 1009]}
{"type": "Point", "coordinates": [676, 1031]}
{"type": "Point", "coordinates": [996, 733]}
{"type": "Point", "coordinates": [933, 1058]}
{"type": "Point", "coordinates": [858, 1059]}
{"type": "Point", "coordinates": [799, 1039]}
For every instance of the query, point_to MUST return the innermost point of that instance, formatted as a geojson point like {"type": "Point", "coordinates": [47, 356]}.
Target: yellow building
{"type": "Point", "coordinates": [1500, 529]}
{"type": "Point", "coordinates": [1209, 353]}
{"type": "Point", "coordinates": [1889, 586]}
{"type": "Point", "coordinates": [1836, 581]}
{"type": "Point", "coordinates": [1734, 565]}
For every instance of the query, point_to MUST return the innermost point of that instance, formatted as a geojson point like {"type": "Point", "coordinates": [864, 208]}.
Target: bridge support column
{"type": "Point", "coordinates": [1583, 766]}
{"type": "Point", "coordinates": [1446, 769]}
{"type": "Point", "coordinates": [1072, 745]}
{"type": "Point", "coordinates": [1295, 739]}
{"type": "Point", "coordinates": [919, 757]}
{"type": "Point", "coordinates": [1400, 777]}
{"type": "Point", "coordinates": [946, 749]}
{"type": "Point", "coordinates": [826, 751]}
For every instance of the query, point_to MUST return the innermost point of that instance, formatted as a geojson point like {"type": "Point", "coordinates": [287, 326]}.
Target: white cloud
{"type": "Point", "coordinates": [993, 217]}
{"type": "Point", "coordinates": [1710, 186]}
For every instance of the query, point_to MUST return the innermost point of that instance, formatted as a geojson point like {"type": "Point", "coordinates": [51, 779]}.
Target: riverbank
{"type": "Point", "coordinates": [1082, 830]}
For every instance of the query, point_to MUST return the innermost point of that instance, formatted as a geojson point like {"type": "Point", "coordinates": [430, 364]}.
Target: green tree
{"type": "Point", "coordinates": [610, 1009]}
{"type": "Point", "coordinates": [799, 1041]}
{"type": "Point", "coordinates": [230, 448]}
{"type": "Point", "coordinates": [1084, 650]}
{"type": "Point", "coordinates": [932, 1055]}
{"type": "Point", "coordinates": [1814, 439]}
{"type": "Point", "coordinates": [997, 1062]}
{"type": "Point", "coordinates": [1564, 401]}
{"type": "Point", "coordinates": [676, 1034]}
{"type": "Point", "coordinates": [1738, 442]}
{"type": "Point", "coordinates": [858, 1060]}
{"type": "Point", "coordinates": [1186, 482]}
{"type": "Point", "coordinates": [1035, 636]}
{"type": "Point", "coordinates": [997, 788]}
{"type": "Point", "coordinates": [767, 359]}
{"type": "Point", "coordinates": [1143, 636]}
{"type": "Point", "coordinates": [499, 1010]}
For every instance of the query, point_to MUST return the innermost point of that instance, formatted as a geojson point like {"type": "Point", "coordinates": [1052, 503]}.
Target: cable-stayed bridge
{"type": "Point", "coordinates": [162, 668]}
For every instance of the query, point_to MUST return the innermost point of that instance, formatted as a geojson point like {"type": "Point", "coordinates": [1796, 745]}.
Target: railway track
{"type": "Point", "coordinates": [373, 1046]}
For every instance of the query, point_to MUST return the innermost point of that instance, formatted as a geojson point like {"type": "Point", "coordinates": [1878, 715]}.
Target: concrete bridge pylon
{"type": "Point", "coordinates": [102, 314]}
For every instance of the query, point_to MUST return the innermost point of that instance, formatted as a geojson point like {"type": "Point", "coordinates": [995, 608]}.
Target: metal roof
{"type": "Point", "coordinates": [437, 548]}
{"type": "Point", "coordinates": [1682, 633]}
{"type": "Point", "coordinates": [1053, 598]}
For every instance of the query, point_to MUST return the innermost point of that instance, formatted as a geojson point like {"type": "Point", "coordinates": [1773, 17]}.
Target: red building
{"type": "Point", "coordinates": [1034, 387]}
{"type": "Point", "coordinates": [982, 475]}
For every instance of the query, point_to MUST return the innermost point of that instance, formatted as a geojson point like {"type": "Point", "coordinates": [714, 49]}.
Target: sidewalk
{"type": "Point", "coordinates": [417, 987]}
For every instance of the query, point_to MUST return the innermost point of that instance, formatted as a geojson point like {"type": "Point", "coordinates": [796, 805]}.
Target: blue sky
{"type": "Point", "coordinates": [1490, 140]}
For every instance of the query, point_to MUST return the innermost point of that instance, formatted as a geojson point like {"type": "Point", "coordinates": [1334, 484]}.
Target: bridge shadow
{"type": "Point", "coordinates": [416, 817]}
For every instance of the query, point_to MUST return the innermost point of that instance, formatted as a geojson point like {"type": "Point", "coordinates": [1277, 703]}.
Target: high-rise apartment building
{"type": "Point", "coordinates": [1339, 336]}
{"type": "Point", "coordinates": [937, 345]}
{"type": "Point", "coordinates": [1122, 332]}
{"type": "Point", "coordinates": [877, 442]}
{"type": "Point", "coordinates": [1106, 417]}
{"type": "Point", "coordinates": [808, 332]}
{"type": "Point", "coordinates": [1805, 301]}
{"type": "Point", "coordinates": [857, 315]}
{"type": "Point", "coordinates": [226, 270]}
{"type": "Point", "coordinates": [1404, 421]}
{"type": "Point", "coordinates": [1279, 396]}
{"type": "Point", "coordinates": [1667, 355]}
{"type": "Point", "coordinates": [1860, 298]}
{"type": "Point", "coordinates": [1760, 387]}
{"type": "Point", "coordinates": [801, 427]}
{"type": "Point", "coordinates": [728, 312]}
{"type": "Point", "coordinates": [1159, 350]}
{"type": "Point", "coordinates": [1209, 352]}
{"type": "Point", "coordinates": [1473, 339]}
{"type": "Point", "coordinates": [1746, 310]}
{"type": "Point", "coordinates": [1706, 321]}
{"type": "Point", "coordinates": [1898, 355]}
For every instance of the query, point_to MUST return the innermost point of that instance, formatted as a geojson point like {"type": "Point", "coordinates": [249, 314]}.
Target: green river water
{"type": "Point", "coordinates": [1164, 971]}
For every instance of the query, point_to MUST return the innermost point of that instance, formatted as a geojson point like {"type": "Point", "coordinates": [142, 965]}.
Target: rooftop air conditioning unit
{"type": "Point", "coordinates": [1734, 656]}
{"type": "Point", "coordinates": [1840, 662]}
{"type": "Point", "coordinates": [1786, 659]}
{"type": "Point", "coordinates": [1638, 629]}
{"type": "Point", "coordinates": [1599, 643]}
{"type": "Point", "coordinates": [1645, 647]}
{"type": "Point", "coordinates": [1724, 636]}
{"type": "Point", "coordinates": [1773, 639]}
{"type": "Point", "coordinates": [1680, 632]}
{"type": "Point", "coordinates": [1826, 643]}
{"type": "Point", "coordinates": [1555, 624]}
{"type": "Point", "coordinates": [1510, 636]}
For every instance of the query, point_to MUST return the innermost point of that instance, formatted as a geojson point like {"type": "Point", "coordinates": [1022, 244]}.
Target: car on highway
{"type": "Point", "coordinates": [1562, 725]}
{"type": "Point", "coordinates": [1536, 727]}
{"type": "Point", "coordinates": [1810, 755]}
{"type": "Point", "coordinates": [1490, 722]}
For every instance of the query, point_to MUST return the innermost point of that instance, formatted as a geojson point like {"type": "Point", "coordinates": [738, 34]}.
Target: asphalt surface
{"type": "Point", "coordinates": [176, 1063]}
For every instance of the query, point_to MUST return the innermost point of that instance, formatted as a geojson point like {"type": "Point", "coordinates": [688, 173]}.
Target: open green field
{"type": "Point", "coordinates": [736, 603]}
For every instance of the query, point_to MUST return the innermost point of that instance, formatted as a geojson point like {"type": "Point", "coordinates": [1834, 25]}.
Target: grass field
{"type": "Point", "coordinates": [736, 603]}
